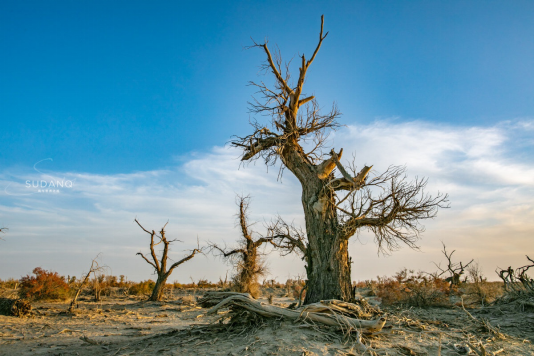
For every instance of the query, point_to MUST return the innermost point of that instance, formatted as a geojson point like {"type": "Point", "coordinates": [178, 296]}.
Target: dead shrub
{"type": "Point", "coordinates": [10, 283]}
{"type": "Point", "coordinates": [479, 290]}
{"type": "Point", "coordinates": [517, 283]}
{"type": "Point", "coordinates": [142, 288]}
{"type": "Point", "coordinates": [43, 285]}
{"type": "Point", "coordinates": [15, 307]}
{"type": "Point", "coordinates": [410, 289]}
{"type": "Point", "coordinates": [188, 300]}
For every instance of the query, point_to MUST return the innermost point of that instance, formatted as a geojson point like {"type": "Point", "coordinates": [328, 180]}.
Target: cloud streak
{"type": "Point", "coordinates": [489, 179]}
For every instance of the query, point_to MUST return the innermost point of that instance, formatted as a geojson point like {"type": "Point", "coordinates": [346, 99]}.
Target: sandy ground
{"type": "Point", "coordinates": [131, 326]}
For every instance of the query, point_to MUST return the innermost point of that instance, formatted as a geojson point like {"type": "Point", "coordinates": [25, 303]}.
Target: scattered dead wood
{"type": "Point", "coordinates": [15, 307]}
{"type": "Point", "coordinates": [484, 325]}
{"type": "Point", "coordinates": [517, 284]}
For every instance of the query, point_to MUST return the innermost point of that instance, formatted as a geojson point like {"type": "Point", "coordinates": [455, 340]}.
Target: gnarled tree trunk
{"type": "Point", "coordinates": [327, 256]}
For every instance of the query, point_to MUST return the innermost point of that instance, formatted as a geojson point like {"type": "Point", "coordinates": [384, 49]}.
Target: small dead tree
{"type": "Point", "coordinates": [160, 266]}
{"type": "Point", "coordinates": [246, 258]}
{"type": "Point", "coordinates": [455, 270]}
{"type": "Point", "coordinates": [94, 269]}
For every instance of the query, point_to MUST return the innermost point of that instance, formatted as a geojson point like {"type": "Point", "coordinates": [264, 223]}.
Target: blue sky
{"type": "Point", "coordinates": [132, 99]}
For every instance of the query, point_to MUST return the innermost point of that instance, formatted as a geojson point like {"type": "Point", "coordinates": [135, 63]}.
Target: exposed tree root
{"type": "Point", "coordinates": [331, 313]}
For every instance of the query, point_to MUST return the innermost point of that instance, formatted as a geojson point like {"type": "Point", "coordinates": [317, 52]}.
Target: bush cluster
{"type": "Point", "coordinates": [10, 283]}
{"type": "Point", "coordinates": [44, 285]}
{"type": "Point", "coordinates": [413, 289]}
{"type": "Point", "coordinates": [141, 288]}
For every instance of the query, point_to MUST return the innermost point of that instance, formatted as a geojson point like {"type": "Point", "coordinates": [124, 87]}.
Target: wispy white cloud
{"type": "Point", "coordinates": [490, 182]}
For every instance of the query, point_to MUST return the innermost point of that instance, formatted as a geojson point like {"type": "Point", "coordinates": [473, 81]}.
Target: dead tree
{"type": "Point", "coordinates": [455, 270]}
{"type": "Point", "coordinates": [160, 266]}
{"type": "Point", "coordinates": [246, 258]}
{"type": "Point", "coordinates": [95, 267]}
{"type": "Point", "coordinates": [517, 281]}
{"type": "Point", "coordinates": [335, 207]}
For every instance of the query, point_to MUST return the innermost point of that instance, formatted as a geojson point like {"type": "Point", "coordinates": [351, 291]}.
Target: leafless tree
{"type": "Point", "coordinates": [335, 207]}
{"type": "Point", "coordinates": [94, 269]}
{"type": "Point", "coordinates": [245, 257]}
{"type": "Point", "coordinates": [454, 269]}
{"type": "Point", "coordinates": [160, 266]}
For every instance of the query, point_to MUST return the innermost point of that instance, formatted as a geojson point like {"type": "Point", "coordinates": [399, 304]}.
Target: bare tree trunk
{"type": "Point", "coordinates": [157, 292]}
{"type": "Point", "coordinates": [328, 265]}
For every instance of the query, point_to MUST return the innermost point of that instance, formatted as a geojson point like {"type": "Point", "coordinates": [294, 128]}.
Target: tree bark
{"type": "Point", "coordinates": [327, 256]}
{"type": "Point", "coordinates": [157, 292]}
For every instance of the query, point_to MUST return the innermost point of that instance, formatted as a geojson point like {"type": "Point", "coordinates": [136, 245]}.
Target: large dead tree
{"type": "Point", "coordinates": [245, 257]}
{"type": "Point", "coordinates": [160, 265]}
{"type": "Point", "coordinates": [335, 206]}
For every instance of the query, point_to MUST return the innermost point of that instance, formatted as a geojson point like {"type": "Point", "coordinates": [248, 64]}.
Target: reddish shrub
{"type": "Point", "coordinates": [43, 285]}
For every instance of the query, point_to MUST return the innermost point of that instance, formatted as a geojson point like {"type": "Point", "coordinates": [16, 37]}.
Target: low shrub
{"type": "Point", "coordinates": [43, 285]}
{"type": "Point", "coordinates": [517, 283]}
{"type": "Point", "coordinates": [142, 288]}
{"type": "Point", "coordinates": [10, 283]}
{"type": "Point", "coordinates": [410, 289]}
{"type": "Point", "coordinates": [479, 290]}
